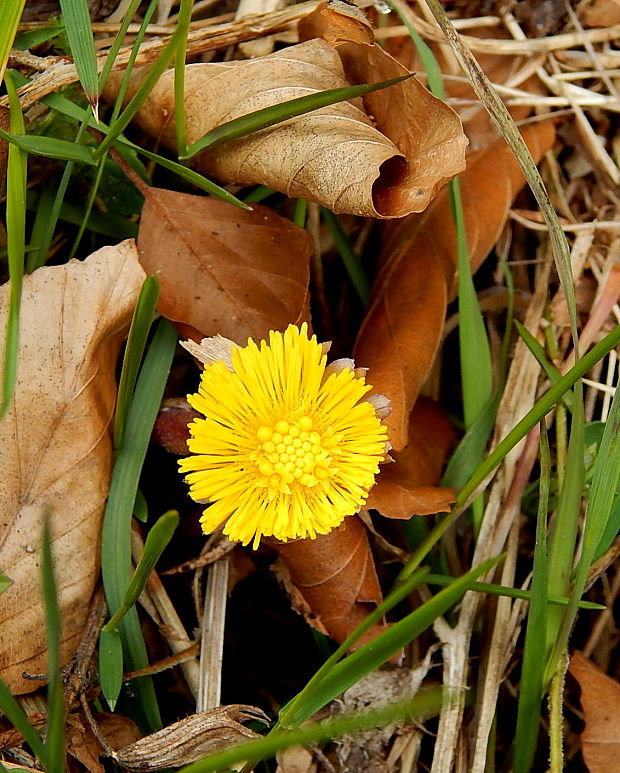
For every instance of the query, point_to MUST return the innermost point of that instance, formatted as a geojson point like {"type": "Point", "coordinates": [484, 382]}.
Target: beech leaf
{"type": "Point", "coordinates": [407, 487]}
{"type": "Point", "coordinates": [224, 270]}
{"type": "Point", "coordinates": [402, 329]}
{"type": "Point", "coordinates": [57, 447]}
{"type": "Point", "coordinates": [338, 156]}
{"type": "Point", "coordinates": [336, 578]}
{"type": "Point", "coordinates": [600, 700]}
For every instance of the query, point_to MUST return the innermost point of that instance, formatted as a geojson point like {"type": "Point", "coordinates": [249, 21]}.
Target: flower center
{"type": "Point", "coordinates": [292, 451]}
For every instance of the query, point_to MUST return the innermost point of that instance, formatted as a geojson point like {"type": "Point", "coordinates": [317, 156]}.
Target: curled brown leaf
{"type": "Point", "coordinates": [402, 329]}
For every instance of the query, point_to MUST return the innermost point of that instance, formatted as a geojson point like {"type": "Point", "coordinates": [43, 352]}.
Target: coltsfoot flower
{"type": "Point", "coordinates": [289, 446]}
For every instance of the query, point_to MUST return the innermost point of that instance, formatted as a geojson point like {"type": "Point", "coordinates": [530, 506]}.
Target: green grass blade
{"type": "Point", "coordinates": [134, 351]}
{"type": "Point", "coordinates": [499, 113]}
{"type": "Point", "coordinates": [156, 542]}
{"type": "Point", "coordinates": [269, 116]}
{"type": "Point", "coordinates": [350, 258]}
{"type": "Point", "coordinates": [183, 20]}
{"type": "Point", "coordinates": [532, 670]}
{"type": "Point", "coordinates": [55, 727]}
{"type": "Point", "coordinates": [17, 717]}
{"type": "Point", "coordinates": [118, 42]}
{"type": "Point", "coordinates": [110, 665]}
{"type": "Point", "coordinates": [16, 245]}
{"type": "Point", "coordinates": [542, 406]}
{"type": "Point", "coordinates": [258, 194]}
{"type": "Point", "coordinates": [116, 535]}
{"type": "Point", "coordinates": [300, 213]}
{"type": "Point", "coordinates": [421, 706]}
{"type": "Point", "coordinates": [114, 226]}
{"type": "Point", "coordinates": [605, 482]}
{"type": "Point", "coordinates": [50, 147]}
{"type": "Point", "coordinates": [79, 33]}
{"type": "Point", "coordinates": [5, 582]}
{"type": "Point", "coordinates": [504, 590]}
{"type": "Point", "coordinates": [32, 38]}
{"type": "Point", "coordinates": [400, 592]}
{"type": "Point", "coordinates": [145, 88]}
{"type": "Point", "coordinates": [369, 657]}
{"type": "Point", "coordinates": [563, 539]}
{"type": "Point", "coordinates": [110, 644]}
{"type": "Point", "coordinates": [11, 13]}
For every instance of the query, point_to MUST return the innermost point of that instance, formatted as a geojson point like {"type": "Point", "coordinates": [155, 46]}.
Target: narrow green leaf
{"type": "Point", "coordinates": [11, 14]}
{"type": "Point", "coordinates": [470, 449]}
{"type": "Point", "coordinates": [16, 245]}
{"type": "Point", "coordinates": [398, 593]}
{"type": "Point", "coordinates": [300, 213]}
{"type": "Point", "coordinates": [350, 258]}
{"type": "Point", "coordinates": [110, 665]}
{"type": "Point", "coordinates": [50, 147]}
{"type": "Point", "coordinates": [116, 535]}
{"type": "Point", "coordinates": [17, 717]}
{"type": "Point", "coordinates": [269, 116]}
{"type": "Point", "coordinates": [140, 507]}
{"type": "Point", "coordinates": [380, 649]}
{"type": "Point", "coordinates": [80, 35]}
{"type": "Point", "coordinates": [55, 726]}
{"type": "Point", "coordinates": [5, 582]}
{"type": "Point", "coordinates": [504, 590]}
{"type": "Point", "coordinates": [421, 706]}
{"type": "Point", "coordinates": [32, 38]}
{"type": "Point", "coordinates": [134, 351]}
{"type": "Point", "coordinates": [157, 540]}
{"type": "Point", "coordinates": [563, 539]}
{"type": "Point", "coordinates": [605, 481]}
{"type": "Point", "coordinates": [498, 111]}
{"type": "Point", "coordinates": [183, 19]}
{"type": "Point", "coordinates": [532, 670]}
{"type": "Point", "coordinates": [542, 406]}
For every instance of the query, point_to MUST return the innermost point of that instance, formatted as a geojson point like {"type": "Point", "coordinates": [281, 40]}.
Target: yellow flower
{"type": "Point", "coordinates": [289, 446]}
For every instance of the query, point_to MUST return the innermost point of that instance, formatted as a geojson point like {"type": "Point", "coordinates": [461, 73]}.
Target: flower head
{"type": "Point", "coordinates": [289, 446]}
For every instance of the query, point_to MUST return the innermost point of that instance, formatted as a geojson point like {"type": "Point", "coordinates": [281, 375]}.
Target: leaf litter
{"type": "Point", "coordinates": [225, 271]}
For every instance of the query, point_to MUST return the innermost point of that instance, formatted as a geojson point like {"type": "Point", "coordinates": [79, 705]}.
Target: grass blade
{"type": "Point", "coordinates": [11, 13]}
{"type": "Point", "coordinates": [532, 670]}
{"type": "Point", "coordinates": [16, 245]}
{"type": "Point", "coordinates": [17, 717]}
{"type": "Point", "coordinates": [269, 116]}
{"type": "Point", "coordinates": [183, 20]}
{"type": "Point", "coordinates": [110, 645]}
{"type": "Point", "coordinates": [50, 147]}
{"type": "Point", "coordinates": [379, 650]}
{"type": "Point", "coordinates": [55, 726]}
{"type": "Point", "coordinates": [314, 733]}
{"type": "Point", "coordinates": [350, 258]}
{"type": "Point", "coordinates": [79, 33]}
{"type": "Point", "coordinates": [156, 542]}
{"type": "Point", "coordinates": [134, 351]}
{"type": "Point", "coordinates": [540, 408]}
{"type": "Point", "coordinates": [116, 535]}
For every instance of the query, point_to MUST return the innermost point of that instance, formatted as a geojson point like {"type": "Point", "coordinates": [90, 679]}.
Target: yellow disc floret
{"type": "Point", "coordinates": [285, 450]}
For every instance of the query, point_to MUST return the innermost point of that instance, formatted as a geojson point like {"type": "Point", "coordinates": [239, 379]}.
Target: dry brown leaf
{"type": "Point", "coordinates": [296, 759]}
{"type": "Point", "coordinates": [222, 269]}
{"type": "Point", "coordinates": [334, 156]}
{"type": "Point", "coordinates": [600, 700]}
{"type": "Point", "coordinates": [407, 487]}
{"type": "Point", "coordinates": [335, 576]}
{"type": "Point", "coordinates": [56, 445]}
{"type": "Point", "coordinates": [191, 738]}
{"type": "Point", "coordinates": [601, 13]}
{"type": "Point", "coordinates": [400, 334]}
{"type": "Point", "coordinates": [82, 744]}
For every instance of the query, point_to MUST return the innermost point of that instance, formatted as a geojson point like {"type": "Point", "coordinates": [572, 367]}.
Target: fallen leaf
{"type": "Point", "coordinates": [295, 759]}
{"type": "Point", "coordinates": [84, 746]}
{"type": "Point", "coordinates": [336, 578]}
{"type": "Point", "coordinates": [407, 487]}
{"type": "Point", "coordinates": [601, 13]}
{"type": "Point", "coordinates": [402, 329]}
{"type": "Point", "coordinates": [56, 445]}
{"type": "Point", "coordinates": [191, 738]}
{"type": "Point", "coordinates": [334, 156]}
{"type": "Point", "coordinates": [222, 269]}
{"type": "Point", "coordinates": [600, 700]}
